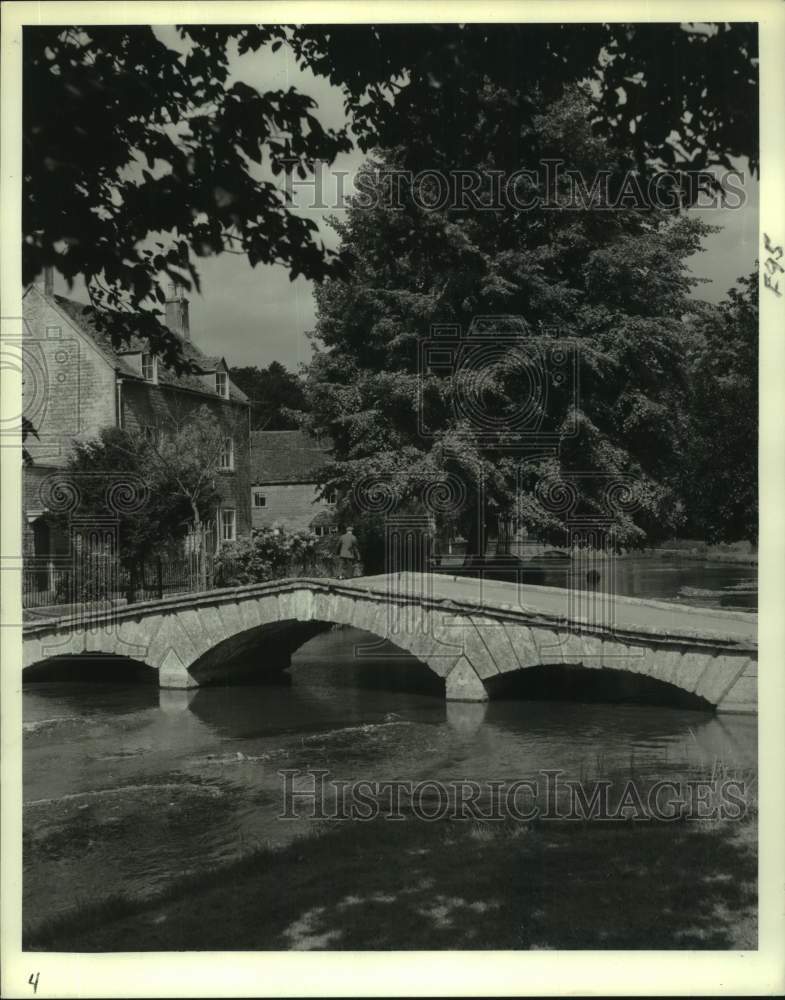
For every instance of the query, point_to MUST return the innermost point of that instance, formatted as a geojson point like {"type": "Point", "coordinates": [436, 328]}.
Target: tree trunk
{"type": "Point", "coordinates": [201, 565]}
{"type": "Point", "coordinates": [475, 538]}
{"type": "Point", "coordinates": [133, 574]}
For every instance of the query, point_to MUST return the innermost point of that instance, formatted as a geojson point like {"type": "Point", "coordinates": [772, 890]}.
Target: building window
{"type": "Point", "coordinates": [222, 384]}
{"type": "Point", "coordinates": [331, 498]}
{"type": "Point", "coordinates": [227, 455]}
{"type": "Point", "coordinates": [259, 498]}
{"type": "Point", "coordinates": [228, 526]}
{"type": "Point", "coordinates": [149, 368]}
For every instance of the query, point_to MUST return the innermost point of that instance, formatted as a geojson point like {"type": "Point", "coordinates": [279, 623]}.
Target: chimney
{"type": "Point", "coordinates": [49, 281]}
{"type": "Point", "coordinates": [177, 313]}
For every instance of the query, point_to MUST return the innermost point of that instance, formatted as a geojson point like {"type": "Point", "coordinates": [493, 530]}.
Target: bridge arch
{"type": "Point", "coordinates": [469, 645]}
{"type": "Point", "coordinates": [95, 666]}
{"type": "Point", "coordinates": [194, 642]}
{"type": "Point", "coordinates": [571, 682]}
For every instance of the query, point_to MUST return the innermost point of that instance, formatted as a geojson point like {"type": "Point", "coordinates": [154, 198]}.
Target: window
{"type": "Point", "coordinates": [222, 384]}
{"type": "Point", "coordinates": [228, 529]}
{"type": "Point", "coordinates": [149, 368]}
{"type": "Point", "coordinates": [259, 498]}
{"type": "Point", "coordinates": [152, 434]}
{"type": "Point", "coordinates": [227, 455]}
{"type": "Point", "coordinates": [331, 498]}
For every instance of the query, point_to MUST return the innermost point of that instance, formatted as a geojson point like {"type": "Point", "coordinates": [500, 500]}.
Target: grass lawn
{"type": "Point", "coordinates": [449, 885]}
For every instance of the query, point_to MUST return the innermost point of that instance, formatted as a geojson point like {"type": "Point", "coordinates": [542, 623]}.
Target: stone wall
{"type": "Point", "coordinates": [69, 387]}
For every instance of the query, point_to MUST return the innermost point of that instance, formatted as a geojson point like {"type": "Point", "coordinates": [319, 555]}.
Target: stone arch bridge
{"type": "Point", "coordinates": [469, 632]}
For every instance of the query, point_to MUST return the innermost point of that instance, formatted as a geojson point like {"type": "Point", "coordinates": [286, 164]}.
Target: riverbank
{"type": "Point", "coordinates": [695, 550]}
{"type": "Point", "coordinates": [692, 550]}
{"type": "Point", "coordinates": [449, 885]}
{"type": "Point", "coordinates": [698, 555]}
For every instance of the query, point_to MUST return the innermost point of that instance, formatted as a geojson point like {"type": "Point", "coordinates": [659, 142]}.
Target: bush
{"type": "Point", "coordinates": [272, 554]}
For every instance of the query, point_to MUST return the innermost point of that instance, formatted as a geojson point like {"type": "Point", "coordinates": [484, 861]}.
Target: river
{"type": "Point", "coordinates": [127, 788]}
{"type": "Point", "coordinates": [657, 578]}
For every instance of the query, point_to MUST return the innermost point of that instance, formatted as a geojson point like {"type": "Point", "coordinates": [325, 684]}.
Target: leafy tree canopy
{"type": "Point", "coordinates": [140, 158]}
{"type": "Point", "coordinates": [721, 466]}
{"type": "Point", "coordinates": [668, 92]}
{"type": "Point", "coordinates": [273, 392]}
{"type": "Point", "coordinates": [175, 472]}
{"type": "Point", "coordinates": [605, 288]}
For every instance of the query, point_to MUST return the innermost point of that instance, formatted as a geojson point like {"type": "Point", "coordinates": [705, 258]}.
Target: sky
{"type": "Point", "coordinates": [252, 316]}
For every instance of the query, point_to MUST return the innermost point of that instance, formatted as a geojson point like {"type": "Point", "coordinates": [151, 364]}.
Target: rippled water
{"type": "Point", "coordinates": [126, 787]}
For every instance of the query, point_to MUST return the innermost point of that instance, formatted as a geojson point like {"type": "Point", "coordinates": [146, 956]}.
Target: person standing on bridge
{"type": "Point", "coordinates": [348, 554]}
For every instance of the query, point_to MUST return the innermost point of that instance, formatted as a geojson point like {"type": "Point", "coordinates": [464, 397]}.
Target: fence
{"type": "Point", "coordinates": [90, 581]}
{"type": "Point", "coordinates": [97, 581]}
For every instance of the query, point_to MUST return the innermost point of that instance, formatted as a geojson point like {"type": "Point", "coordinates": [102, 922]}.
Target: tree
{"type": "Point", "coordinates": [667, 92]}
{"type": "Point", "coordinates": [721, 461]}
{"type": "Point", "coordinates": [140, 157]}
{"type": "Point", "coordinates": [150, 517]}
{"type": "Point", "coordinates": [175, 471]}
{"type": "Point", "coordinates": [273, 391]}
{"type": "Point", "coordinates": [606, 287]}
{"type": "Point", "coordinates": [187, 455]}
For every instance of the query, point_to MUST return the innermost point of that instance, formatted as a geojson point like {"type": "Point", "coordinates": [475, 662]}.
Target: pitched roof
{"type": "Point", "coordinates": [80, 315]}
{"type": "Point", "coordinates": [286, 457]}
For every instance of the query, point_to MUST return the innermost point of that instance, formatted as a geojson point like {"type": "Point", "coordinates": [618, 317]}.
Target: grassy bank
{"type": "Point", "coordinates": [449, 885]}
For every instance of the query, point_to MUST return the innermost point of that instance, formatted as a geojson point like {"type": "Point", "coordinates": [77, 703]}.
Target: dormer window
{"type": "Point", "coordinates": [222, 384]}
{"type": "Point", "coordinates": [149, 368]}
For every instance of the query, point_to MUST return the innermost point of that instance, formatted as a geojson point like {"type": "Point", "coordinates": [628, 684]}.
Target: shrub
{"type": "Point", "coordinates": [272, 554]}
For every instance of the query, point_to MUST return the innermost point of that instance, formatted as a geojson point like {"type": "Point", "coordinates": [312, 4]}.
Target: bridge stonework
{"type": "Point", "coordinates": [468, 635]}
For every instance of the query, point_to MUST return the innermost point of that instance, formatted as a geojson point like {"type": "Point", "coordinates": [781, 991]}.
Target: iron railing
{"type": "Point", "coordinates": [95, 581]}
{"type": "Point", "coordinates": [50, 583]}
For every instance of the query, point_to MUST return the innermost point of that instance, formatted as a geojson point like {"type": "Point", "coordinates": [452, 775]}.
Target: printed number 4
{"type": "Point", "coordinates": [33, 980]}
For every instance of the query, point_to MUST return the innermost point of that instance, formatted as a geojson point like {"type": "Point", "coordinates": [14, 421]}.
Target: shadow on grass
{"type": "Point", "coordinates": [449, 885]}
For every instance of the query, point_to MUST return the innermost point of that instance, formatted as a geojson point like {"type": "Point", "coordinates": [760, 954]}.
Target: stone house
{"type": "Point", "coordinates": [75, 382]}
{"type": "Point", "coordinates": [283, 483]}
